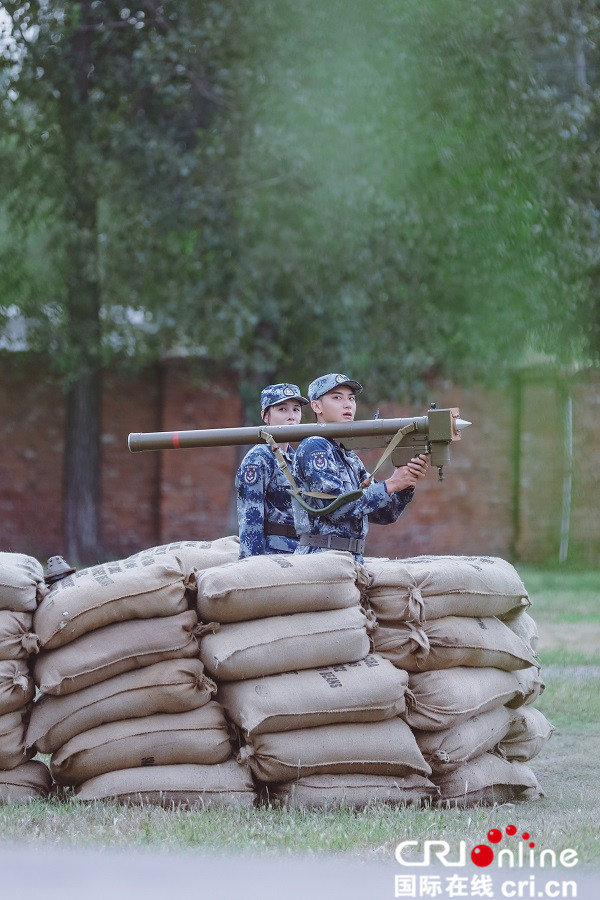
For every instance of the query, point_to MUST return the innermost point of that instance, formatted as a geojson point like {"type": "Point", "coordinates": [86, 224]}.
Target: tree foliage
{"type": "Point", "coordinates": [297, 186]}
{"type": "Point", "coordinates": [106, 107]}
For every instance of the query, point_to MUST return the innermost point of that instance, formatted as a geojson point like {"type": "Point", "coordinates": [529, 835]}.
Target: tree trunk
{"type": "Point", "coordinates": [82, 470]}
{"type": "Point", "coordinates": [84, 405]}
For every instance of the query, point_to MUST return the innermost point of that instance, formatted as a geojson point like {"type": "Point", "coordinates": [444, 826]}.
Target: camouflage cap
{"type": "Point", "coordinates": [279, 393]}
{"type": "Point", "coordinates": [326, 383]}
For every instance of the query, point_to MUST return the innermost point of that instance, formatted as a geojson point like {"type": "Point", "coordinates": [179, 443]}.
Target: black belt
{"type": "Point", "coordinates": [279, 528]}
{"type": "Point", "coordinates": [333, 542]}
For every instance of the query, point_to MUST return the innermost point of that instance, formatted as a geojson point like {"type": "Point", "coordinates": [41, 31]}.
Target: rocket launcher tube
{"type": "Point", "coordinates": [228, 437]}
{"type": "Point", "coordinates": [432, 433]}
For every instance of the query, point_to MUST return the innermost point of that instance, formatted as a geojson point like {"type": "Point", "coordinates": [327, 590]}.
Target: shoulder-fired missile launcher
{"type": "Point", "coordinates": [401, 439]}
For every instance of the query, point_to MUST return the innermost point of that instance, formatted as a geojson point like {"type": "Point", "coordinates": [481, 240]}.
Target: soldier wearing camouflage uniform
{"type": "Point", "coordinates": [327, 466]}
{"type": "Point", "coordinates": [265, 517]}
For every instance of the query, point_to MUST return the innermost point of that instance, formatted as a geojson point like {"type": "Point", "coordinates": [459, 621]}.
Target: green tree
{"type": "Point", "coordinates": [115, 217]}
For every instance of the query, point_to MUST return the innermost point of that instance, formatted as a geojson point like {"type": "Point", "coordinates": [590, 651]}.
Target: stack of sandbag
{"type": "Point", "coordinates": [318, 715]}
{"type": "Point", "coordinates": [22, 586]}
{"type": "Point", "coordinates": [126, 710]}
{"type": "Point", "coordinates": [460, 627]}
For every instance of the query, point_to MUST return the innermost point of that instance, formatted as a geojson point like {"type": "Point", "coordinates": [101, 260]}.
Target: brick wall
{"type": "Point", "coordinates": [32, 416]}
{"type": "Point", "coordinates": [502, 494]}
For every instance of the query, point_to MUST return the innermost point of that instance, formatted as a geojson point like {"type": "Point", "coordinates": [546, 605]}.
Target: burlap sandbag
{"type": "Point", "coordinates": [283, 643]}
{"type": "Point", "coordinates": [277, 584]}
{"type": "Point", "coordinates": [171, 686]}
{"type": "Point", "coordinates": [369, 690]}
{"type": "Point", "coordinates": [353, 791]}
{"type": "Point", "coordinates": [448, 749]}
{"type": "Point", "coordinates": [367, 748]}
{"type": "Point", "coordinates": [17, 687]}
{"type": "Point", "coordinates": [488, 780]}
{"type": "Point", "coordinates": [23, 561]}
{"type": "Point", "coordinates": [529, 732]}
{"type": "Point", "coordinates": [113, 649]}
{"type": "Point", "coordinates": [196, 555]}
{"type": "Point", "coordinates": [224, 784]}
{"type": "Point", "coordinates": [17, 640]}
{"type": "Point", "coordinates": [429, 587]}
{"type": "Point", "coordinates": [524, 626]}
{"type": "Point", "coordinates": [13, 726]}
{"type": "Point", "coordinates": [453, 641]}
{"type": "Point", "coordinates": [29, 781]}
{"type": "Point", "coordinates": [113, 592]}
{"type": "Point", "coordinates": [531, 686]}
{"type": "Point", "coordinates": [198, 737]}
{"type": "Point", "coordinates": [22, 584]}
{"type": "Point", "coordinates": [439, 700]}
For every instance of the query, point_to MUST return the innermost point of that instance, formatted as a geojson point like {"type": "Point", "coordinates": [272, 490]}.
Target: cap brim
{"type": "Point", "coordinates": [355, 385]}
{"type": "Point", "coordinates": [301, 400]}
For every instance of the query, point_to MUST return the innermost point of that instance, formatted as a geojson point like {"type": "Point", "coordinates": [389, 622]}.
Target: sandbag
{"type": "Point", "coordinates": [22, 561]}
{"type": "Point", "coordinates": [488, 780]}
{"type": "Point", "coordinates": [531, 686]}
{"type": "Point", "coordinates": [453, 641]}
{"type": "Point", "coordinates": [429, 587]}
{"type": "Point", "coordinates": [369, 690]}
{"type": "Point", "coordinates": [114, 649]}
{"type": "Point", "coordinates": [276, 584]}
{"type": "Point", "coordinates": [197, 737]}
{"type": "Point", "coordinates": [22, 584]}
{"type": "Point", "coordinates": [25, 783]}
{"type": "Point", "coordinates": [17, 687]}
{"type": "Point", "coordinates": [109, 593]}
{"type": "Point", "coordinates": [17, 640]}
{"type": "Point", "coordinates": [189, 786]}
{"type": "Point", "coordinates": [195, 555]}
{"type": "Point", "coordinates": [171, 686]}
{"type": "Point", "coordinates": [524, 626]}
{"type": "Point", "coordinates": [441, 699]}
{"type": "Point", "coordinates": [530, 730]}
{"type": "Point", "coordinates": [448, 749]}
{"type": "Point", "coordinates": [352, 791]}
{"type": "Point", "coordinates": [12, 739]}
{"type": "Point", "coordinates": [282, 643]}
{"type": "Point", "coordinates": [368, 748]}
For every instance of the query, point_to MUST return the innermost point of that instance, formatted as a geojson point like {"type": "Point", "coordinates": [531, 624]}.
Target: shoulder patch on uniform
{"type": "Point", "coordinates": [251, 474]}
{"type": "Point", "coordinates": [319, 460]}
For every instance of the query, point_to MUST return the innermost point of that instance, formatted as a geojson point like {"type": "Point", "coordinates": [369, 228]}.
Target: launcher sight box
{"type": "Point", "coordinates": [432, 433]}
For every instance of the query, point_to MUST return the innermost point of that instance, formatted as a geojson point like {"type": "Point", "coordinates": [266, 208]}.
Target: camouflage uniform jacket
{"type": "Point", "coordinates": [262, 498]}
{"type": "Point", "coordinates": [323, 465]}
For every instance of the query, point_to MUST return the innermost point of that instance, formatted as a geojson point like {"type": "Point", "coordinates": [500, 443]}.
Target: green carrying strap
{"type": "Point", "coordinates": [402, 432]}
{"type": "Point", "coordinates": [340, 500]}
{"type": "Point", "coordinates": [337, 499]}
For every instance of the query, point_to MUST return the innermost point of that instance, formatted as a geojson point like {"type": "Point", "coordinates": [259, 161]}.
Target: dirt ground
{"type": "Point", "coordinates": [580, 637]}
